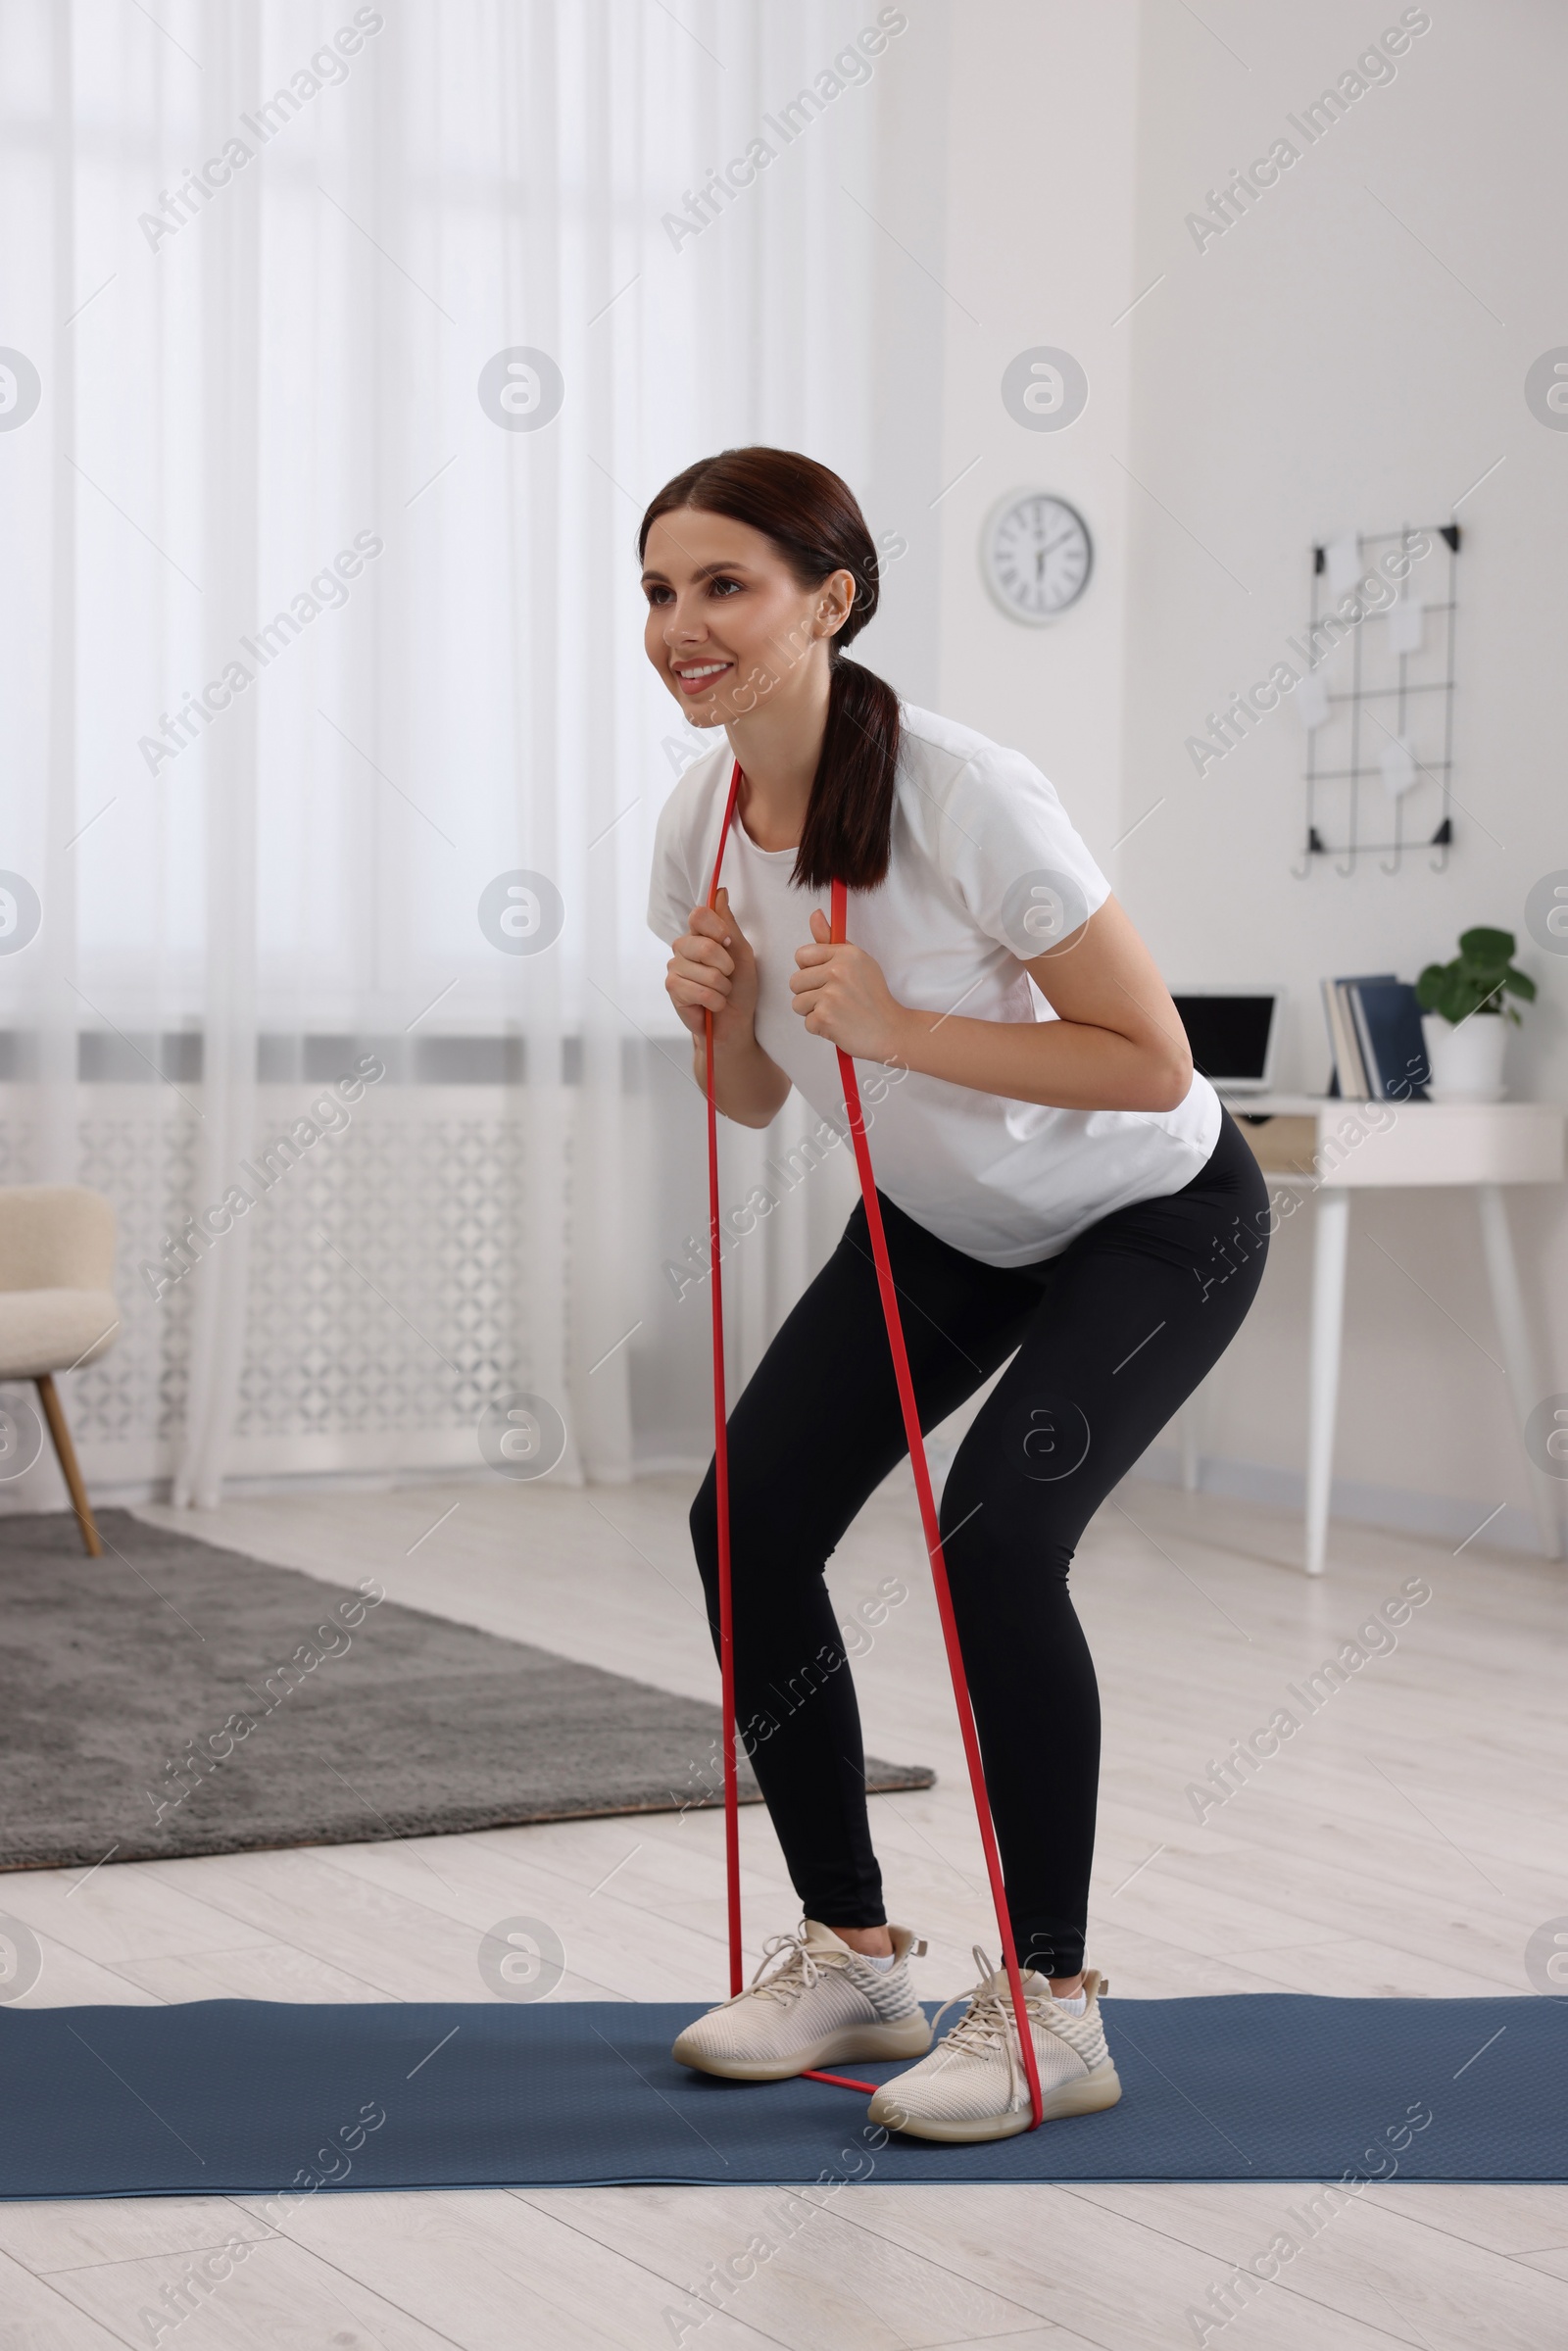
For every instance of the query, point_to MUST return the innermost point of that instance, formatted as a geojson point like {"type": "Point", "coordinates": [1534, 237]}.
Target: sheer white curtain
{"type": "Point", "coordinates": [315, 633]}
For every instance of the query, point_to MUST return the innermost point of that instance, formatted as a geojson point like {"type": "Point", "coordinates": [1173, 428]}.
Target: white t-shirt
{"type": "Point", "coordinates": [985, 870]}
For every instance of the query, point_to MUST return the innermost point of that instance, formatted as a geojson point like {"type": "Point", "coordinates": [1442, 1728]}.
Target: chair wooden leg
{"type": "Point", "coordinates": [54, 1413]}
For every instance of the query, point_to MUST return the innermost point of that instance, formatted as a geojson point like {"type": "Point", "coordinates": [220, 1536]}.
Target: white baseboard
{"type": "Point", "coordinates": [1402, 1511]}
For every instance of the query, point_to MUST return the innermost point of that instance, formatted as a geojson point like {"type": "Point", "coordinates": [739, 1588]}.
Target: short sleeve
{"type": "Point", "coordinates": [670, 897]}
{"type": "Point", "coordinates": [1011, 850]}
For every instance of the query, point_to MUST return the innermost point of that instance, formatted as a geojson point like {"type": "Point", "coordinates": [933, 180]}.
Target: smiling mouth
{"type": "Point", "coordinates": [700, 675]}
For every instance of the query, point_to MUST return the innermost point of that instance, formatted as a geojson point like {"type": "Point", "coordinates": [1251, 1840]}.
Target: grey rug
{"type": "Point", "coordinates": [173, 1698]}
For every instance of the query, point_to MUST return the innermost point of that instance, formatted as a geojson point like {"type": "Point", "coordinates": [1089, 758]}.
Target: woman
{"type": "Point", "coordinates": [1064, 1192]}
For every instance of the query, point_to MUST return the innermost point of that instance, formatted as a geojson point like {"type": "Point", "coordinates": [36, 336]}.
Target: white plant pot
{"type": "Point", "coordinates": [1467, 1061]}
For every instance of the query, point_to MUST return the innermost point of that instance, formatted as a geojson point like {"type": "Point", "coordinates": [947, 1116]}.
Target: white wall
{"type": "Point", "coordinates": [1323, 365]}
{"type": "Point", "coordinates": [1351, 353]}
{"type": "Point", "coordinates": [1039, 249]}
{"type": "Point", "coordinates": [1316, 367]}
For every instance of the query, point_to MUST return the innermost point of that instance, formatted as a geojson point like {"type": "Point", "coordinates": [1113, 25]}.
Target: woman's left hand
{"type": "Point", "coordinates": [841, 995]}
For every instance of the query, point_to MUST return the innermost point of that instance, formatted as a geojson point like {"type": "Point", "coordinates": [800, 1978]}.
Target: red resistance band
{"type": "Point", "coordinates": [928, 1516]}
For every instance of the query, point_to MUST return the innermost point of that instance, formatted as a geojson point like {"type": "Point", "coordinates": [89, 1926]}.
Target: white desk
{"type": "Point", "coordinates": [1331, 1149]}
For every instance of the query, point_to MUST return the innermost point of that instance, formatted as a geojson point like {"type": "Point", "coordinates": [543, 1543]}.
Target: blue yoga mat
{"type": "Point", "coordinates": [259, 2097]}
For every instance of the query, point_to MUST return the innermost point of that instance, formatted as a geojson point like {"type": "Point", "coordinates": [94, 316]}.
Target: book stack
{"type": "Point", "coordinates": [1374, 1026]}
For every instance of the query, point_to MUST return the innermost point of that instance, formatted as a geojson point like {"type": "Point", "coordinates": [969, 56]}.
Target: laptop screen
{"type": "Point", "coordinates": [1228, 1036]}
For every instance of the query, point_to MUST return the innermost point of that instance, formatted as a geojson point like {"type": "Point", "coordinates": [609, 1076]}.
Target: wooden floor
{"type": "Point", "coordinates": [1407, 1842]}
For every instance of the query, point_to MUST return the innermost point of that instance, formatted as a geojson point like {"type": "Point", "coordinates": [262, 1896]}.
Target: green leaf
{"type": "Point", "coordinates": [1486, 945]}
{"type": "Point", "coordinates": [1477, 979]}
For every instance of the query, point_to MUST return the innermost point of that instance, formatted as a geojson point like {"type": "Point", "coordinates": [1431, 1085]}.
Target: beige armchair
{"type": "Point", "coordinates": [57, 1303]}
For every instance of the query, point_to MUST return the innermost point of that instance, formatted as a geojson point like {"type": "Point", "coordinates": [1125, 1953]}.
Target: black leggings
{"type": "Point", "coordinates": [1110, 1336]}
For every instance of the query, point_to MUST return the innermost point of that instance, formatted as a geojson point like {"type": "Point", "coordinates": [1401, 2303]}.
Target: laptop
{"type": "Point", "coordinates": [1234, 1034]}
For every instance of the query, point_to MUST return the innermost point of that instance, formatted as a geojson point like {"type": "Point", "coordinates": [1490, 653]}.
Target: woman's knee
{"type": "Point", "coordinates": [967, 1522]}
{"type": "Point", "coordinates": [769, 1545]}
{"type": "Point", "coordinates": [703, 1520]}
{"type": "Point", "coordinates": [996, 1528]}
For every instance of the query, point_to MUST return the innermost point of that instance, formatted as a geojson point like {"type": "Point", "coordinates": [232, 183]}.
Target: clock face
{"type": "Point", "coordinates": [1036, 554]}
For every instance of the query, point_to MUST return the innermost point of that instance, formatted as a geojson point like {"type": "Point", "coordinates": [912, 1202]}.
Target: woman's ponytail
{"type": "Point", "coordinates": [849, 820]}
{"type": "Point", "coordinates": [815, 521]}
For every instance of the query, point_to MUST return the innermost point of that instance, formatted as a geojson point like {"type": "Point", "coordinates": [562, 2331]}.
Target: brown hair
{"type": "Point", "coordinates": [815, 522]}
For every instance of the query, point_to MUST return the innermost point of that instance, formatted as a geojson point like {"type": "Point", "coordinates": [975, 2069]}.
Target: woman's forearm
{"type": "Point", "coordinates": [749, 1086]}
{"type": "Point", "coordinates": [1066, 1064]}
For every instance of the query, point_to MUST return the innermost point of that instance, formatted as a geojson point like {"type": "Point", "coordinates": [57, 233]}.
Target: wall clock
{"type": "Point", "coordinates": [1036, 554]}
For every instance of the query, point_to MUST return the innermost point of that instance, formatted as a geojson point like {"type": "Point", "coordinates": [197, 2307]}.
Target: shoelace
{"type": "Point", "coordinates": [798, 1970]}
{"type": "Point", "coordinates": [991, 2022]}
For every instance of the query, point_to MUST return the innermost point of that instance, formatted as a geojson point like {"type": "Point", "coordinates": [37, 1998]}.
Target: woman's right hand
{"type": "Point", "coordinates": [712, 970]}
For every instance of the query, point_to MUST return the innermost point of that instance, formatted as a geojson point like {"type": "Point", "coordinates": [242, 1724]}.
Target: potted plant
{"type": "Point", "coordinates": [1466, 1024]}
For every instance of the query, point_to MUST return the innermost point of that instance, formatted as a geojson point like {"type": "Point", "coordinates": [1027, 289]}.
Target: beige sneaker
{"type": "Point", "coordinates": [973, 2084]}
{"type": "Point", "coordinates": [812, 2002]}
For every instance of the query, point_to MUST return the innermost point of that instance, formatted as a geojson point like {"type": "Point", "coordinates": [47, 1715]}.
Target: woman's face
{"type": "Point", "coordinates": [729, 627]}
